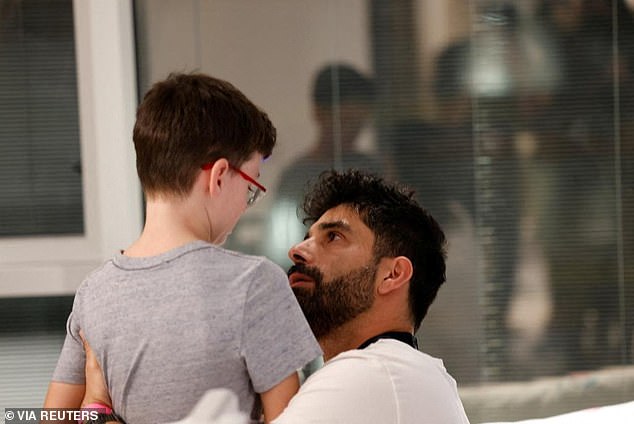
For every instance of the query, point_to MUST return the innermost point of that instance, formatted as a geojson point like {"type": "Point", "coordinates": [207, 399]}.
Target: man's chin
{"type": "Point", "coordinates": [305, 298]}
{"type": "Point", "coordinates": [303, 291]}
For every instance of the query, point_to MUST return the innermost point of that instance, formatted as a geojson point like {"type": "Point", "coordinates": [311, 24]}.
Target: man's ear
{"type": "Point", "coordinates": [397, 273]}
{"type": "Point", "coordinates": [217, 175]}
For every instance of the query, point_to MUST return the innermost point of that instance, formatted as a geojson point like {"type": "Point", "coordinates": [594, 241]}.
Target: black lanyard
{"type": "Point", "coordinates": [401, 336]}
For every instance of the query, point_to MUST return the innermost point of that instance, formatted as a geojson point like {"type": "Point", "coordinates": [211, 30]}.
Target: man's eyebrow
{"type": "Point", "coordinates": [340, 225]}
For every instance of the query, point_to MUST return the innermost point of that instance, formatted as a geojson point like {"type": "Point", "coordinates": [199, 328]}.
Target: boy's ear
{"type": "Point", "coordinates": [397, 273]}
{"type": "Point", "coordinates": [217, 175]}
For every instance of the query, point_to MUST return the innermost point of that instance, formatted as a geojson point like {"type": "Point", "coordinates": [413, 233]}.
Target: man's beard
{"type": "Point", "coordinates": [329, 305]}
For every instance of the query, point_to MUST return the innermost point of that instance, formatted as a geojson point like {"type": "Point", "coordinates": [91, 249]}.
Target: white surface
{"type": "Point", "coordinates": [549, 396]}
{"type": "Point", "coordinates": [614, 414]}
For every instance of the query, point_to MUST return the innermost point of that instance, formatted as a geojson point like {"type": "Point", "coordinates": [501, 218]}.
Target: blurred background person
{"type": "Point", "coordinates": [343, 101]}
{"type": "Point", "coordinates": [578, 222]}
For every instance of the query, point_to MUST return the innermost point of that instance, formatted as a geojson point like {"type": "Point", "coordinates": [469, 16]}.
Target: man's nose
{"type": "Point", "coordinates": [300, 253]}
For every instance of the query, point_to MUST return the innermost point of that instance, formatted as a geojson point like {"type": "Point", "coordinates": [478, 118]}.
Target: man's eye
{"type": "Point", "coordinates": [332, 235]}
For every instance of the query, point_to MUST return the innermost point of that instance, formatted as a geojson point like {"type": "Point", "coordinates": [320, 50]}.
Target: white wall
{"type": "Point", "coordinates": [281, 42]}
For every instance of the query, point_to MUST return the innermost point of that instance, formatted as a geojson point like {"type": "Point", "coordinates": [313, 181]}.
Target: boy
{"type": "Point", "coordinates": [174, 314]}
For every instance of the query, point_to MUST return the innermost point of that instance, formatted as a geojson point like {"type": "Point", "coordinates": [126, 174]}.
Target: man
{"type": "Point", "coordinates": [365, 275]}
{"type": "Point", "coordinates": [175, 315]}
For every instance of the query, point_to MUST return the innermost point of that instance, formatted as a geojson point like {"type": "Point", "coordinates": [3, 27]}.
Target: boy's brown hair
{"type": "Point", "coordinates": [188, 120]}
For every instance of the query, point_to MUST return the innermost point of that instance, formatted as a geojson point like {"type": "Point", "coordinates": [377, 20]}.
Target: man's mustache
{"type": "Point", "coordinates": [309, 271]}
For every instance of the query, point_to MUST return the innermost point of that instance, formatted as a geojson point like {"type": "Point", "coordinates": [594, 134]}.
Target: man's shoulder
{"type": "Point", "coordinates": [389, 363]}
{"type": "Point", "coordinates": [387, 378]}
{"type": "Point", "coordinates": [356, 368]}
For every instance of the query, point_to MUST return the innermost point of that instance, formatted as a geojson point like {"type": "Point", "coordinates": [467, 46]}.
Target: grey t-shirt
{"type": "Point", "coordinates": [167, 328]}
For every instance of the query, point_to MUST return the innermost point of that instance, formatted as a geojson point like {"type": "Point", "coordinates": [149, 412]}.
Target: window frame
{"type": "Point", "coordinates": [112, 200]}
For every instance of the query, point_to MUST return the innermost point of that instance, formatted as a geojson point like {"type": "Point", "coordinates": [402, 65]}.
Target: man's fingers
{"type": "Point", "coordinates": [91, 359]}
{"type": "Point", "coordinates": [96, 390]}
{"type": "Point", "coordinates": [86, 345]}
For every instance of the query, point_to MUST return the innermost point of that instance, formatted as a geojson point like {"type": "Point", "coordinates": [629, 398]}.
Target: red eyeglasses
{"type": "Point", "coordinates": [256, 190]}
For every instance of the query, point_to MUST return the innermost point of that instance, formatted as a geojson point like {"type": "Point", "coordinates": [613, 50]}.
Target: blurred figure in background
{"type": "Point", "coordinates": [578, 219]}
{"type": "Point", "coordinates": [436, 158]}
{"type": "Point", "coordinates": [343, 101]}
{"type": "Point", "coordinates": [466, 172]}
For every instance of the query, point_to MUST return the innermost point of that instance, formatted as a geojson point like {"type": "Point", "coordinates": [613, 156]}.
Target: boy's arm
{"type": "Point", "coordinates": [273, 318]}
{"type": "Point", "coordinates": [67, 387]}
{"type": "Point", "coordinates": [64, 395]}
{"type": "Point", "coordinates": [275, 400]}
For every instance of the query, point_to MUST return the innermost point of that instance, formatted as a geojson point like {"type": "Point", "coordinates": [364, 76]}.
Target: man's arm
{"type": "Point", "coordinates": [275, 400]}
{"type": "Point", "coordinates": [96, 390]}
{"type": "Point", "coordinates": [346, 390]}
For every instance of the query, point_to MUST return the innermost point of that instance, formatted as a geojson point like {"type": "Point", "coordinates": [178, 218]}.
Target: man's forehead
{"type": "Point", "coordinates": [343, 217]}
{"type": "Point", "coordinates": [338, 213]}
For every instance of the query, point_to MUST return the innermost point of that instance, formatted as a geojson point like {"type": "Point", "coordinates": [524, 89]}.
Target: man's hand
{"type": "Point", "coordinates": [96, 389]}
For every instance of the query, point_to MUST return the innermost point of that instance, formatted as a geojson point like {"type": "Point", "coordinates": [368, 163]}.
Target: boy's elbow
{"type": "Point", "coordinates": [64, 395]}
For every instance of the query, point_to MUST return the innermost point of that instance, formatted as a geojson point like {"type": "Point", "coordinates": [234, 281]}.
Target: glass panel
{"type": "Point", "coordinates": [510, 119]}
{"type": "Point", "coordinates": [40, 168]}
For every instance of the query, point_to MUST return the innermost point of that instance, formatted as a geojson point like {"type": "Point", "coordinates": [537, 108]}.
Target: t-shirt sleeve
{"type": "Point", "coordinates": [71, 362]}
{"type": "Point", "coordinates": [276, 339]}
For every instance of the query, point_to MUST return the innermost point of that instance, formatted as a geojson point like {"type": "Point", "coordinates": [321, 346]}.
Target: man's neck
{"type": "Point", "coordinates": [352, 334]}
{"type": "Point", "coordinates": [338, 341]}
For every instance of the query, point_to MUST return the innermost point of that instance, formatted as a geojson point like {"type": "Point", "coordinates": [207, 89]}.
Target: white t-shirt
{"type": "Point", "coordinates": [388, 382]}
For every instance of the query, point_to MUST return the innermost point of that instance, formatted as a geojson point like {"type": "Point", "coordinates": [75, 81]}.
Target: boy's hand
{"type": "Point", "coordinates": [96, 389]}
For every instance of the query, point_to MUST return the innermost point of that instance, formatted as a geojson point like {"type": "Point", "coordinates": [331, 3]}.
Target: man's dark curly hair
{"type": "Point", "coordinates": [400, 225]}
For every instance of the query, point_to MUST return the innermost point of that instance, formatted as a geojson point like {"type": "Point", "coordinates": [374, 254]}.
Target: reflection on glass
{"type": "Point", "coordinates": [511, 120]}
{"type": "Point", "coordinates": [342, 104]}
